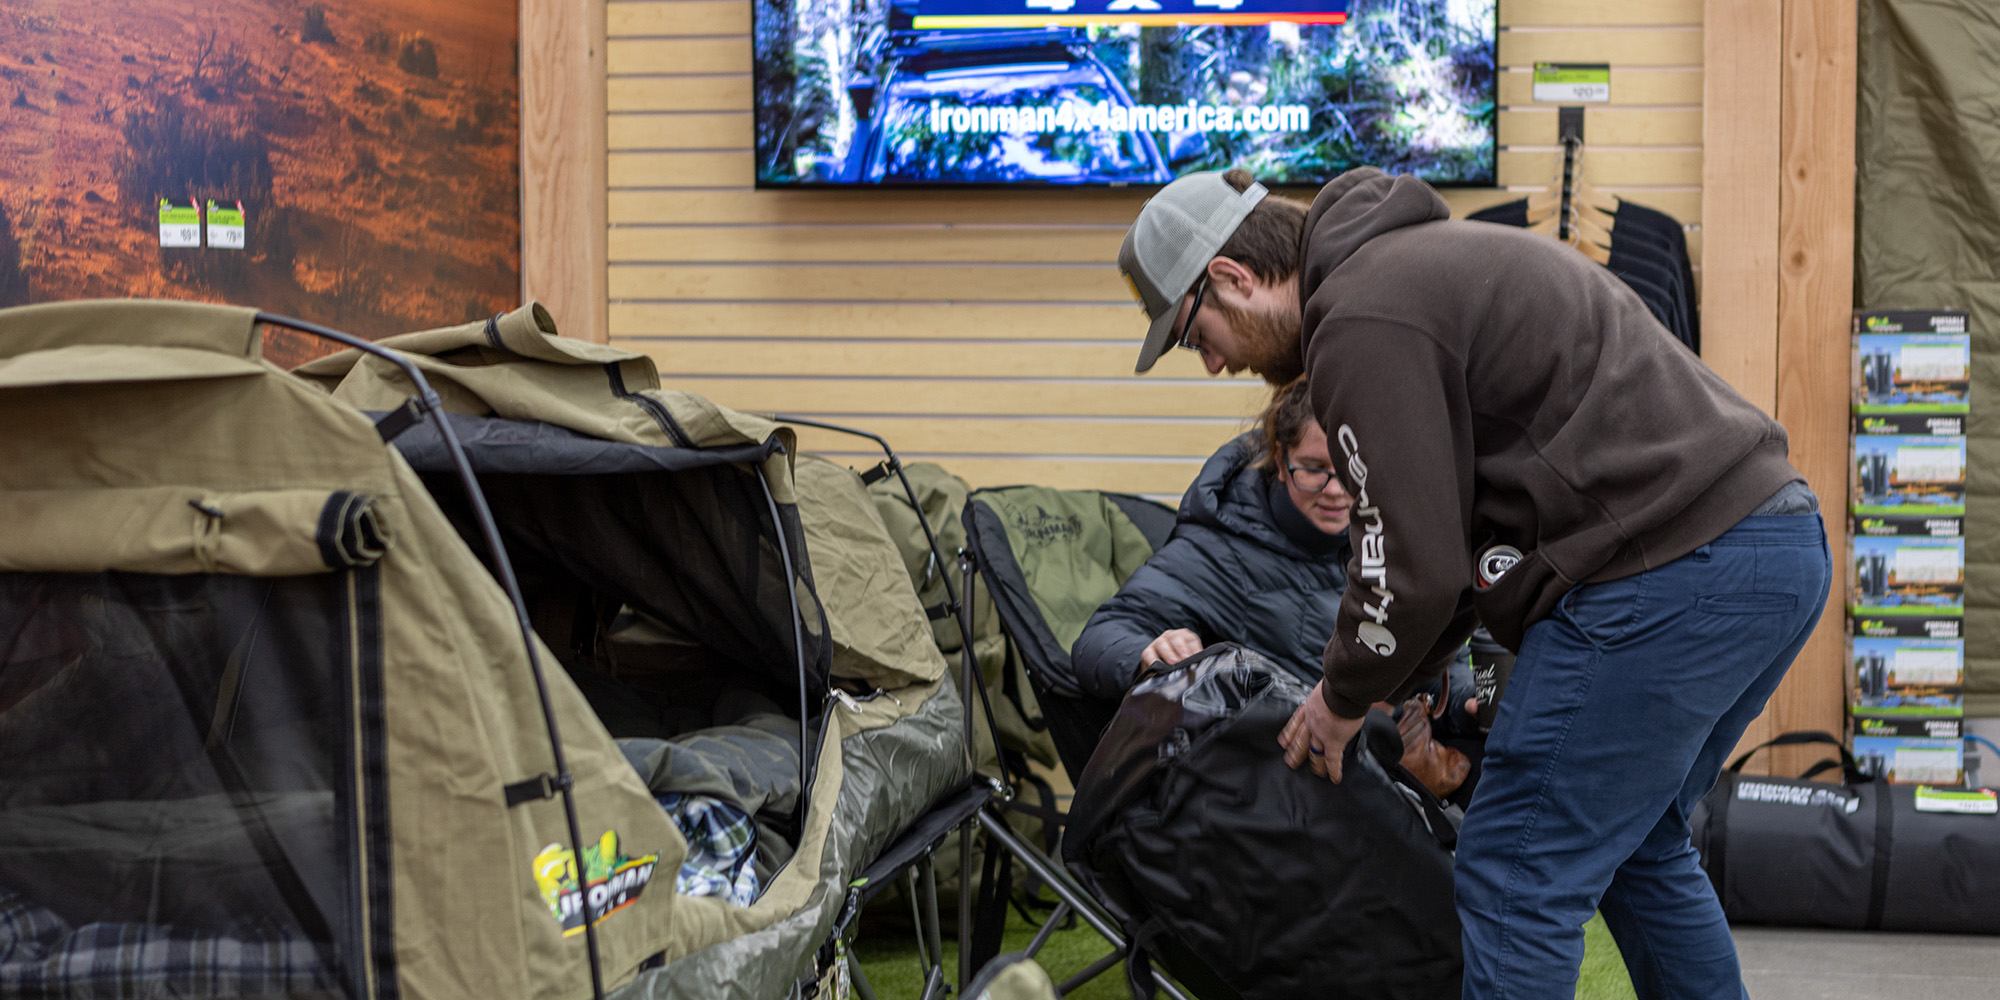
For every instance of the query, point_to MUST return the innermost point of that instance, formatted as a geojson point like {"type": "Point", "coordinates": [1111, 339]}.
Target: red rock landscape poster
{"type": "Point", "coordinates": [371, 148]}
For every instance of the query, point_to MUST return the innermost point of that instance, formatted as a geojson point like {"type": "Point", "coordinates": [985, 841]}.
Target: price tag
{"type": "Point", "coordinates": [1977, 801]}
{"type": "Point", "coordinates": [180, 222]}
{"type": "Point", "coordinates": [1573, 83]}
{"type": "Point", "coordinates": [225, 225]}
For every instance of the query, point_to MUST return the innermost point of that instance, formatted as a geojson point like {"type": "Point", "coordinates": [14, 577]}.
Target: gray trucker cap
{"type": "Point", "coordinates": [1177, 233]}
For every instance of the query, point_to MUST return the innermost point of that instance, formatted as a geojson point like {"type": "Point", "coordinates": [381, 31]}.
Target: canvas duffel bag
{"type": "Point", "coordinates": [1856, 855]}
{"type": "Point", "coordinates": [1244, 878]}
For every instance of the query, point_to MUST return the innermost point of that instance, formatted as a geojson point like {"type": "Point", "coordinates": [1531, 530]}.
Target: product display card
{"type": "Point", "coordinates": [1860, 623]}
{"type": "Point", "coordinates": [1911, 373]}
{"type": "Point", "coordinates": [180, 222]}
{"type": "Point", "coordinates": [1903, 474]}
{"type": "Point", "coordinates": [1925, 525]}
{"type": "Point", "coordinates": [1907, 677]}
{"type": "Point", "coordinates": [1909, 321]}
{"type": "Point", "coordinates": [1967, 801]}
{"type": "Point", "coordinates": [1927, 727]}
{"type": "Point", "coordinates": [1906, 576]}
{"type": "Point", "coordinates": [1910, 424]}
{"type": "Point", "coordinates": [225, 225]}
{"type": "Point", "coordinates": [1907, 760]}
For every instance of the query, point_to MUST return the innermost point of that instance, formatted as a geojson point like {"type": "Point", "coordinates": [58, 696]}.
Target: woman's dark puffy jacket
{"type": "Point", "coordinates": [1242, 564]}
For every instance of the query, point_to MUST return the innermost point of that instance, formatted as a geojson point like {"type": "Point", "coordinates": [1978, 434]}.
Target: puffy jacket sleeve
{"type": "Point", "coordinates": [1398, 426]}
{"type": "Point", "coordinates": [1174, 589]}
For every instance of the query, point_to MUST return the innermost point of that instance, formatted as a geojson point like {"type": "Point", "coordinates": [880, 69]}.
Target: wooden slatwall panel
{"type": "Point", "coordinates": [989, 330]}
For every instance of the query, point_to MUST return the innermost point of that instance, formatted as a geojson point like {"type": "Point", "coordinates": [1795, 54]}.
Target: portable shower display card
{"type": "Point", "coordinates": [1911, 362]}
{"type": "Point", "coordinates": [1907, 474]}
{"type": "Point", "coordinates": [1931, 525]}
{"type": "Point", "coordinates": [1922, 727]}
{"type": "Point", "coordinates": [1907, 576]}
{"type": "Point", "coordinates": [1912, 761]}
{"type": "Point", "coordinates": [1908, 677]}
{"type": "Point", "coordinates": [1913, 424]}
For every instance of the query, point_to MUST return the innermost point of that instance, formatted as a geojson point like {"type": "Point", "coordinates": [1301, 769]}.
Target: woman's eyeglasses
{"type": "Point", "coordinates": [1309, 478]}
{"type": "Point", "coordinates": [1185, 341]}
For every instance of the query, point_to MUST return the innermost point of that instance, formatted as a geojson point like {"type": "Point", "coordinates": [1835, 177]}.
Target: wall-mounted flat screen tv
{"type": "Point", "coordinates": [1117, 92]}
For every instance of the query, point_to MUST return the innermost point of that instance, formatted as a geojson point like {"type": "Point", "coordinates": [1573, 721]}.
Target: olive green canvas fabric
{"type": "Point", "coordinates": [154, 438]}
{"type": "Point", "coordinates": [1927, 236]}
{"type": "Point", "coordinates": [942, 497]}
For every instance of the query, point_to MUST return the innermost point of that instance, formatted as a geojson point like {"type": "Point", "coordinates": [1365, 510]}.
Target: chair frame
{"type": "Point", "coordinates": [965, 810]}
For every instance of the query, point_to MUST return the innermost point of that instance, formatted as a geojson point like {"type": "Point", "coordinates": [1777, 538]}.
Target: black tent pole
{"type": "Point", "coordinates": [808, 751]}
{"type": "Point", "coordinates": [428, 401]}
{"type": "Point", "coordinates": [952, 602]}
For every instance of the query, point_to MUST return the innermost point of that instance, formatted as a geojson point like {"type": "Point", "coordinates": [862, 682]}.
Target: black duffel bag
{"type": "Point", "coordinates": [1858, 855]}
{"type": "Point", "coordinates": [1245, 879]}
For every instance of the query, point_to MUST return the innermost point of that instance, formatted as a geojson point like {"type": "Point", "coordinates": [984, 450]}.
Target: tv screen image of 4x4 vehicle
{"type": "Point", "coordinates": [1118, 92]}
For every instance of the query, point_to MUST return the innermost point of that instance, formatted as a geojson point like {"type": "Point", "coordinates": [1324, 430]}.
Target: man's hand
{"type": "Point", "coordinates": [1318, 736]}
{"type": "Point", "coordinates": [1172, 646]}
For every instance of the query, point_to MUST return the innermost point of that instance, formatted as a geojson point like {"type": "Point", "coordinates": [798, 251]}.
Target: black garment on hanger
{"type": "Point", "coordinates": [1648, 252]}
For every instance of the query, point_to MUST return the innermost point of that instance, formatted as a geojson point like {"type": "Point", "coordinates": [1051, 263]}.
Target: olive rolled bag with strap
{"type": "Point", "coordinates": [1857, 855]}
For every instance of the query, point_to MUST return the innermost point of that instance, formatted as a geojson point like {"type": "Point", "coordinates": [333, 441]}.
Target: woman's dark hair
{"type": "Point", "coordinates": [1267, 241]}
{"type": "Point", "coordinates": [1284, 423]}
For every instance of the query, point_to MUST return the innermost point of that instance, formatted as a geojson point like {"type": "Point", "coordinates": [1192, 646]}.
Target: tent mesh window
{"type": "Point", "coordinates": [693, 551]}
{"type": "Point", "coordinates": [185, 757]}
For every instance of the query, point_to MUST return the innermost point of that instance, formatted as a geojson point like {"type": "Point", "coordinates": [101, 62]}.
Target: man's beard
{"type": "Point", "coordinates": [1268, 342]}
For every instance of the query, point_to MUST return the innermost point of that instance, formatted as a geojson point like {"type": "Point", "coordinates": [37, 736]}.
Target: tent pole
{"type": "Point", "coordinates": [952, 602]}
{"type": "Point", "coordinates": [808, 751]}
{"type": "Point", "coordinates": [432, 405]}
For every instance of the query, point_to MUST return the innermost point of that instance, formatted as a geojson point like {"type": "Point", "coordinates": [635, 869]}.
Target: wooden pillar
{"type": "Point", "coordinates": [1742, 119]}
{"type": "Point", "coordinates": [1815, 306]}
{"type": "Point", "coordinates": [1742, 101]}
{"type": "Point", "coordinates": [1777, 272]}
{"type": "Point", "coordinates": [562, 163]}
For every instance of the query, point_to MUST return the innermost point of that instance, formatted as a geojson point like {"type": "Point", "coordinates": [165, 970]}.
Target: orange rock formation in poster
{"type": "Point", "coordinates": [374, 145]}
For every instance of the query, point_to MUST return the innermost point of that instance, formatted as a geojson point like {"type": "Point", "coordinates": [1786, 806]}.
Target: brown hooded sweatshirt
{"type": "Point", "coordinates": [1482, 386]}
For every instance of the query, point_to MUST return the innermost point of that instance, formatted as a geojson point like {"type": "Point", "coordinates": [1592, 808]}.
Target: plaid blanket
{"type": "Point", "coordinates": [721, 844]}
{"type": "Point", "coordinates": [41, 956]}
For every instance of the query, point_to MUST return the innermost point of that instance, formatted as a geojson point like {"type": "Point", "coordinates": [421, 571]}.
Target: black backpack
{"type": "Point", "coordinates": [1245, 879]}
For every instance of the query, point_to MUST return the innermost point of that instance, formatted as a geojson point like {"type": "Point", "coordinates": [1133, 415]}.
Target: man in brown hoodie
{"type": "Point", "coordinates": [1526, 443]}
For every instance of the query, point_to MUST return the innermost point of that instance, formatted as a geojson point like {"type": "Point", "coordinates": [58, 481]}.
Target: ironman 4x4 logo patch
{"type": "Point", "coordinates": [613, 880]}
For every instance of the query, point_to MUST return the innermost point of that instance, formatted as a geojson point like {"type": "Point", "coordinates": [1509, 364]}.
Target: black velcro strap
{"type": "Point", "coordinates": [1717, 848]}
{"type": "Point", "coordinates": [1885, 843]}
{"type": "Point", "coordinates": [396, 421]}
{"type": "Point", "coordinates": [535, 789]}
{"type": "Point", "coordinates": [937, 612]}
{"type": "Point", "coordinates": [881, 471]}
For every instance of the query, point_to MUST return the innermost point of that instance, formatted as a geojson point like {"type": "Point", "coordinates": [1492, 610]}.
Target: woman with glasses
{"type": "Point", "coordinates": [1259, 557]}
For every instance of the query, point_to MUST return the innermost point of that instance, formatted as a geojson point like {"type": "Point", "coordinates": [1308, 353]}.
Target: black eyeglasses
{"type": "Point", "coordinates": [1308, 478]}
{"type": "Point", "coordinates": [1187, 329]}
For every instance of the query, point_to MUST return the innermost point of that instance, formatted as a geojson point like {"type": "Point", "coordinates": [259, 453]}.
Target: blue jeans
{"type": "Point", "coordinates": [1617, 717]}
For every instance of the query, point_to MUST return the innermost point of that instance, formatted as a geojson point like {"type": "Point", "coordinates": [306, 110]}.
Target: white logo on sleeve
{"type": "Point", "coordinates": [1377, 638]}
{"type": "Point", "coordinates": [1374, 551]}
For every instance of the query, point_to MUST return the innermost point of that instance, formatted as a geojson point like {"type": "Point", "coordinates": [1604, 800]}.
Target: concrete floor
{"type": "Point", "coordinates": [1786, 964]}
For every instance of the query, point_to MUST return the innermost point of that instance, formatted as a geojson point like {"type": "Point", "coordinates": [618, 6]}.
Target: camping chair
{"type": "Point", "coordinates": [1050, 557]}
{"type": "Point", "coordinates": [985, 802]}
{"type": "Point", "coordinates": [226, 615]}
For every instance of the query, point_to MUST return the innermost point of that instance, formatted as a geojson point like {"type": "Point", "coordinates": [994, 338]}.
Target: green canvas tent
{"type": "Point", "coordinates": [271, 725]}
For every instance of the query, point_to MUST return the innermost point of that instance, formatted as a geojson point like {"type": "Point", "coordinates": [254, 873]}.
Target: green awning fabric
{"type": "Point", "coordinates": [1927, 235]}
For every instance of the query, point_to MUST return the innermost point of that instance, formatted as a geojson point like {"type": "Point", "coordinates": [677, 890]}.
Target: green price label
{"type": "Point", "coordinates": [225, 215]}
{"type": "Point", "coordinates": [178, 213]}
{"type": "Point", "coordinates": [1572, 83]}
{"type": "Point", "coordinates": [180, 222]}
{"type": "Point", "coordinates": [1977, 802]}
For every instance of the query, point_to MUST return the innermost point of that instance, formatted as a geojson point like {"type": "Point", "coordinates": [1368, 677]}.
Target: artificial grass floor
{"type": "Point", "coordinates": [888, 956]}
